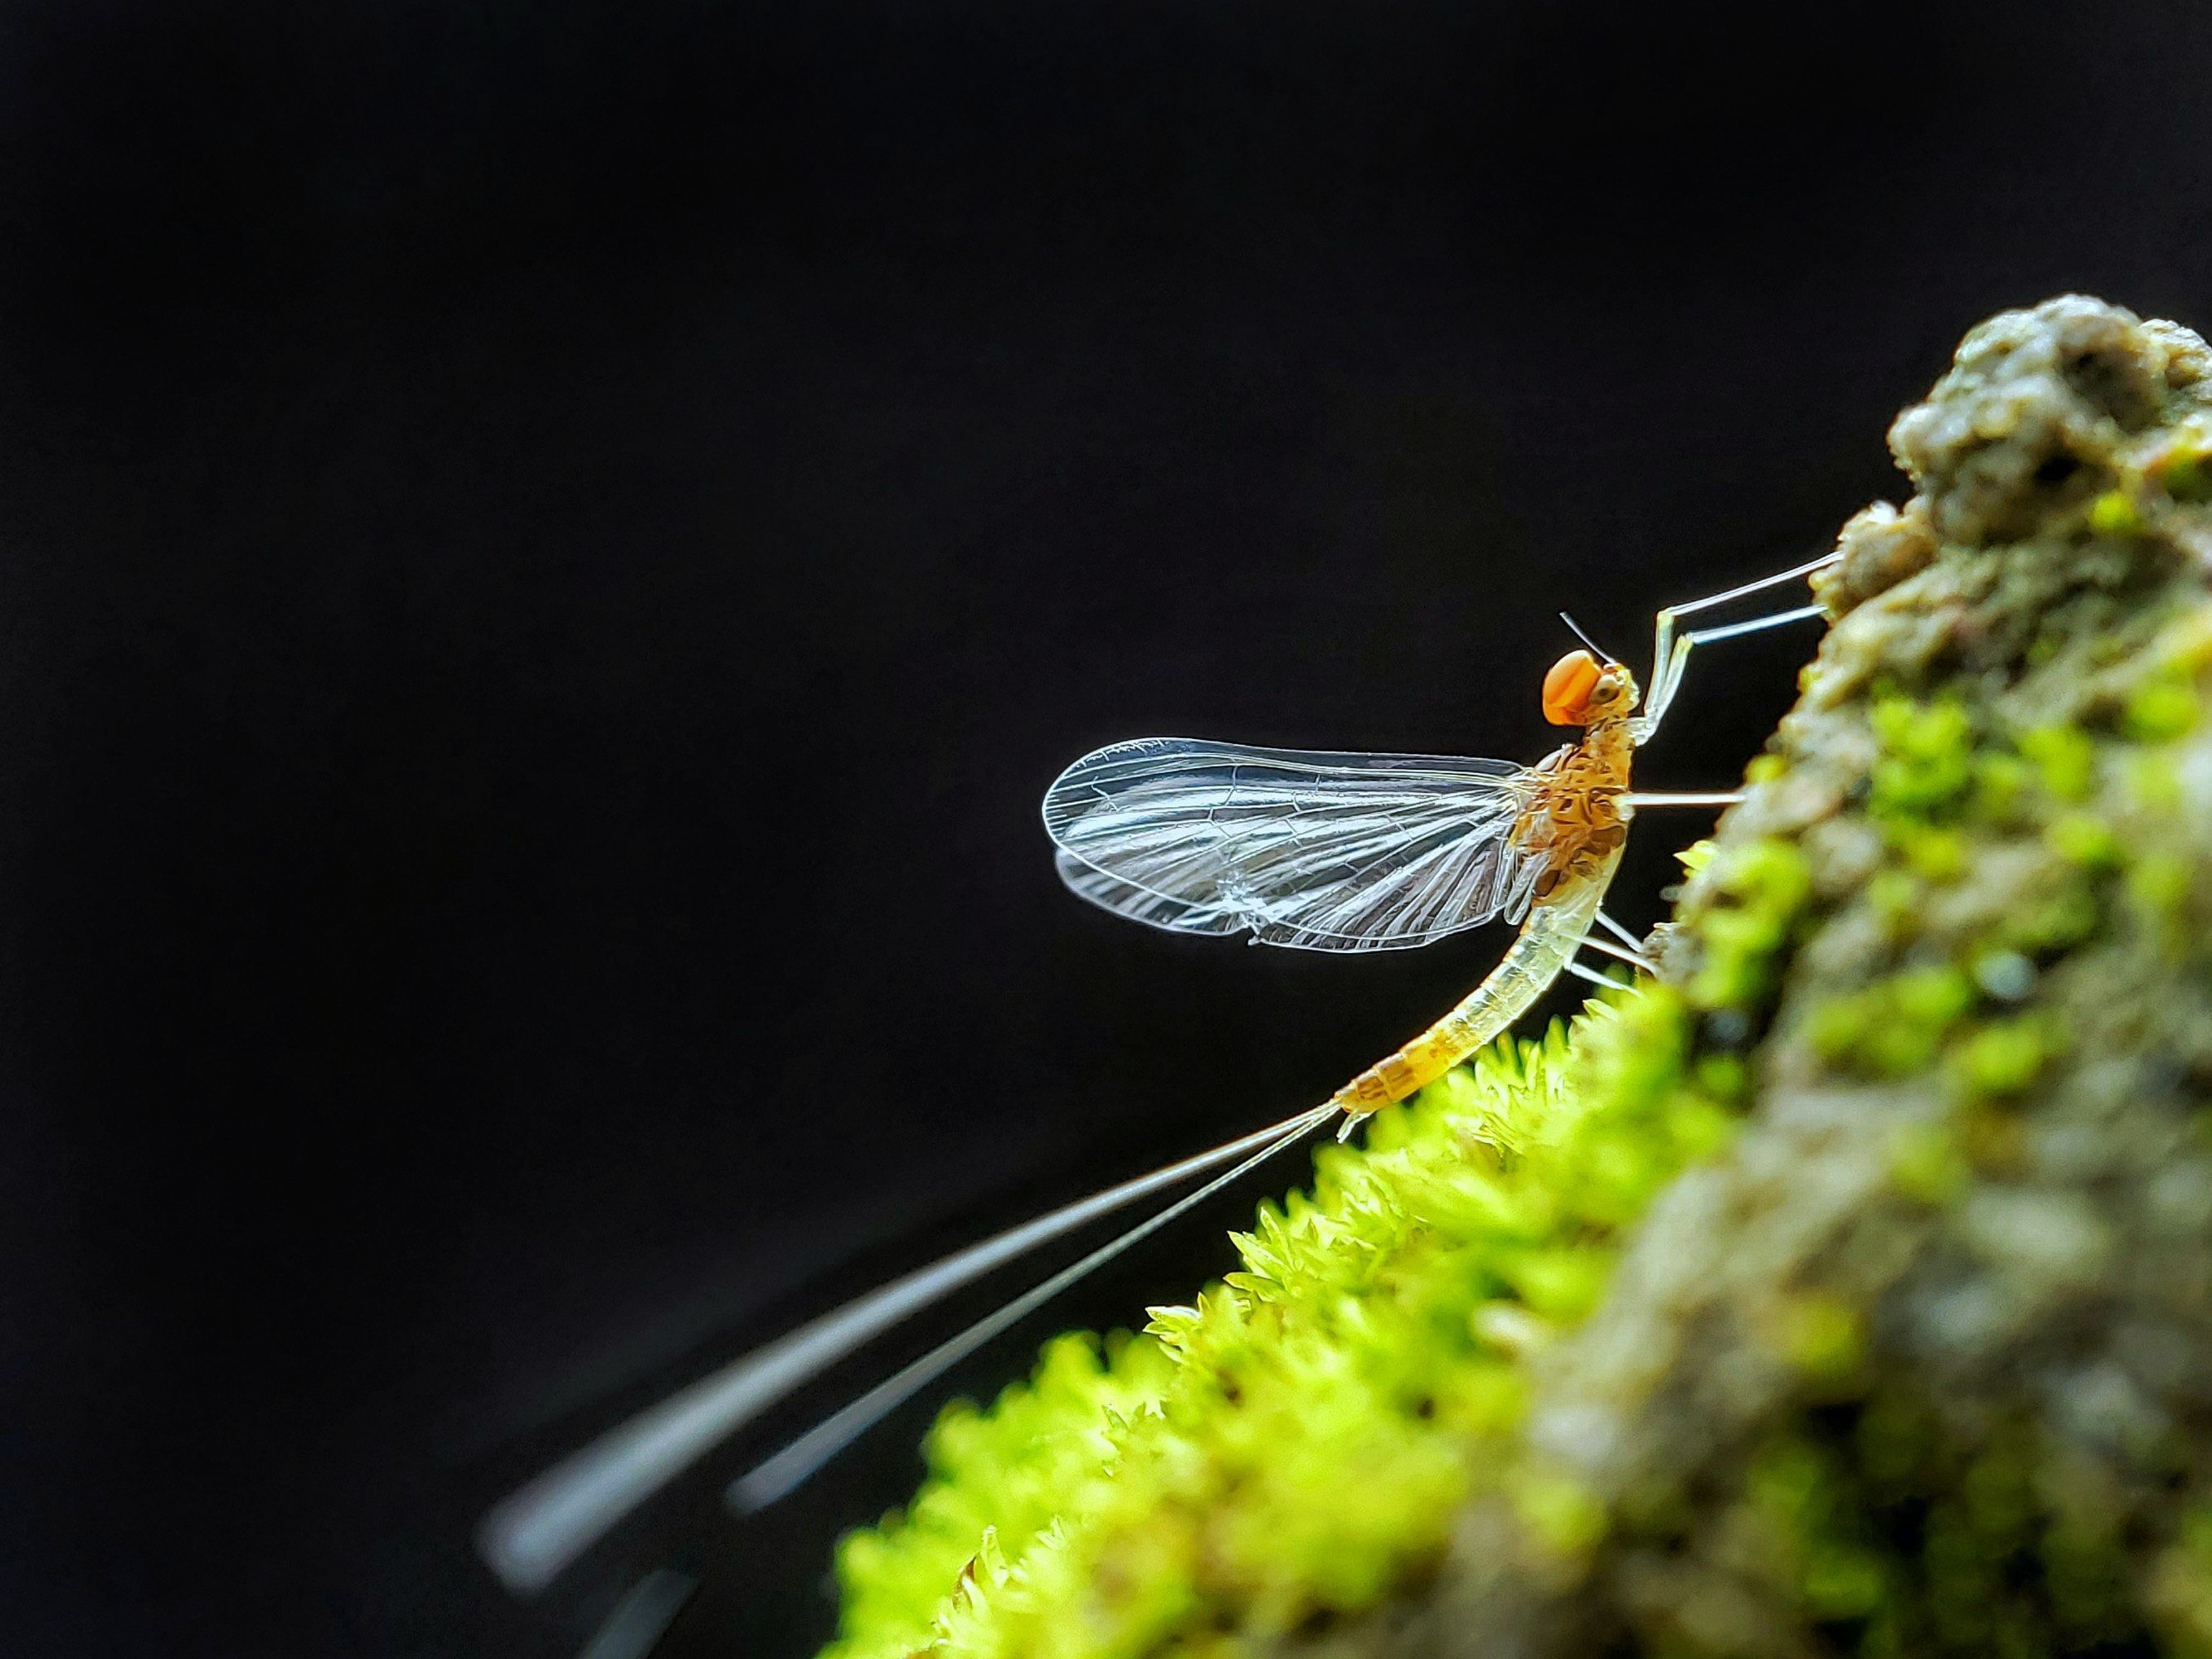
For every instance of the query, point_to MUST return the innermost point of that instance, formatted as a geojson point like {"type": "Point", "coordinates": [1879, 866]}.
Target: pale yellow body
{"type": "Point", "coordinates": [1578, 819]}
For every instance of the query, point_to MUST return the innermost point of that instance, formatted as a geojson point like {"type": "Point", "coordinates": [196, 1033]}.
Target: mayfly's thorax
{"type": "Point", "coordinates": [1576, 816]}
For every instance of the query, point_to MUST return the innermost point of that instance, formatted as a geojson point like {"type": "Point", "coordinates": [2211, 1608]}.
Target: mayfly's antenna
{"type": "Point", "coordinates": [530, 1537]}
{"type": "Point", "coordinates": [1596, 650]}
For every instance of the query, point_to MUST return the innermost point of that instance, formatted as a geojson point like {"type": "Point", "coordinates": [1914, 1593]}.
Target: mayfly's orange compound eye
{"type": "Point", "coordinates": [1567, 688]}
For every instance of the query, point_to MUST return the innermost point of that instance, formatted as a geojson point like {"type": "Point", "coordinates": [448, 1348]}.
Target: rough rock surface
{"type": "Point", "coordinates": [1922, 1363]}
{"type": "Point", "coordinates": [1847, 1289]}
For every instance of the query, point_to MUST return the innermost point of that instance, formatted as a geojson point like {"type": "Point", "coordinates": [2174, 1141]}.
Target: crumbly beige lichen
{"type": "Point", "coordinates": [1922, 1363]}
{"type": "Point", "coordinates": [1847, 1290]}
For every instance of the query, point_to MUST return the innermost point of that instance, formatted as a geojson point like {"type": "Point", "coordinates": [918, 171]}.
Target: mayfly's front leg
{"type": "Point", "coordinates": [1633, 797]}
{"type": "Point", "coordinates": [1670, 653]}
{"type": "Point", "coordinates": [1595, 978]}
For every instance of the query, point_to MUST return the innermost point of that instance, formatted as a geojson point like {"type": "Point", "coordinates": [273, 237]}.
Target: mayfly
{"type": "Point", "coordinates": [1313, 851]}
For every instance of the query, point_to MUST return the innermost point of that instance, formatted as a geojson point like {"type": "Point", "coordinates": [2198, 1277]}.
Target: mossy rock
{"type": "Point", "coordinates": [1846, 1289]}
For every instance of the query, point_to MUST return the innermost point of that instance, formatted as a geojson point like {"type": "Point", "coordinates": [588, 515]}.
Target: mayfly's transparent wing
{"type": "Point", "coordinates": [1318, 850]}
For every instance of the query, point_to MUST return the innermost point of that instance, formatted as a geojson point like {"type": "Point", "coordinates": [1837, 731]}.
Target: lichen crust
{"type": "Point", "coordinates": [1846, 1288]}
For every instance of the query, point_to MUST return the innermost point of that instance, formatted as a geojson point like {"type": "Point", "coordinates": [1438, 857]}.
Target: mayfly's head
{"type": "Point", "coordinates": [1581, 691]}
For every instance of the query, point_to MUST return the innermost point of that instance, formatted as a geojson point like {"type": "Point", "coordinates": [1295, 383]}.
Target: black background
{"type": "Point", "coordinates": [549, 551]}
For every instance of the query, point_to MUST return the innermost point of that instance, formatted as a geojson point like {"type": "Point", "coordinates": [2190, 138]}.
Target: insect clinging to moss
{"type": "Point", "coordinates": [1309, 850]}
{"type": "Point", "coordinates": [1361, 852]}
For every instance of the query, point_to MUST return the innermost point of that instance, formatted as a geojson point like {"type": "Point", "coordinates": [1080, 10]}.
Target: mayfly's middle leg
{"type": "Point", "coordinates": [1623, 945]}
{"type": "Point", "coordinates": [1669, 652]}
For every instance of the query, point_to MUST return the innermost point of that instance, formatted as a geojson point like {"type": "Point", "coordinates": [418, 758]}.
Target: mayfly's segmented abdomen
{"type": "Point", "coordinates": [1547, 942]}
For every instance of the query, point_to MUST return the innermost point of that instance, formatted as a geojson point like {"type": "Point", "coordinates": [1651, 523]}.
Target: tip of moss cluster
{"type": "Point", "coordinates": [2115, 514]}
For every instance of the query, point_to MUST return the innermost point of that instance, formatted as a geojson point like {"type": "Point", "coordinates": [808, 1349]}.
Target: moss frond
{"type": "Point", "coordinates": [1191, 1479]}
{"type": "Point", "coordinates": [1843, 1290]}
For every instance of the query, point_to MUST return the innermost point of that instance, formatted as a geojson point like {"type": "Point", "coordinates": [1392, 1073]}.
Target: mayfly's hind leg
{"type": "Point", "coordinates": [1669, 653]}
{"type": "Point", "coordinates": [1596, 978]}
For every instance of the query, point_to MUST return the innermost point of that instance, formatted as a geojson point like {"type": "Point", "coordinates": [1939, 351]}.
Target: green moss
{"type": "Point", "coordinates": [1928, 1163]}
{"type": "Point", "coordinates": [2162, 709]}
{"type": "Point", "coordinates": [2186, 475]}
{"type": "Point", "coordinates": [2159, 887]}
{"type": "Point", "coordinates": [1724, 1078]}
{"type": "Point", "coordinates": [1139, 1494]}
{"type": "Point", "coordinates": [1696, 855]}
{"type": "Point", "coordinates": [1823, 1336]}
{"type": "Point", "coordinates": [2153, 781]}
{"type": "Point", "coordinates": [2001, 783]}
{"type": "Point", "coordinates": [1562, 1514]}
{"type": "Point", "coordinates": [1303, 1441]}
{"type": "Point", "coordinates": [1766, 768]}
{"type": "Point", "coordinates": [2083, 838]}
{"type": "Point", "coordinates": [2001, 1058]}
{"type": "Point", "coordinates": [1894, 1027]}
{"type": "Point", "coordinates": [1757, 890]}
{"type": "Point", "coordinates": [2064, 759]}
{"type": "Point", "coordinates": [1931, 781]}
{"type": "Point", "coordinates": [2160, 884]}
{"type": "Point", "coordinates": [1562, 1283]}
{"type": "Point", "coordinates": [2085, 1569]}
{"type": "Point", "coordinates": [2052, 920]}
{"type": "Point", "coordinates": [1896, 898]}
{"type": "Point", "coordinates": [1926, 765]}
{"type": "Point", "coordinates": [1931, 852]}
{"type": "Point", "coordinates": [1978, 1592]}
{"type": "Point", "coordinates": [2115, 514]}
{"type": "Point", "coordinates": [1808, 1511]}
{"type": "Point", "coordinates": [1646, 1047]}
{"type": "Point", "coordinates": [2181, 1587]}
